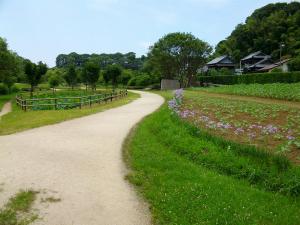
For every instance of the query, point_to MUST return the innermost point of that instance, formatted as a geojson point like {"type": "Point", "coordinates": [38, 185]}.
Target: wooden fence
{"type": "Point", "coordinates": [67, 102]}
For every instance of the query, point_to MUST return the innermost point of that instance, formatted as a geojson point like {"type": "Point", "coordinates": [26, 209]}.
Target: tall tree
{"type": "Point", "coordinates": [113, 72]}
{"type": "Point", "coordinates": [34, 73]}
{"type": "Point", "coordinates": [179, 56]}
{"type": "Point", "coordinates": [71, 76]}
{"type": "Point", "coordinates": [90, 74]}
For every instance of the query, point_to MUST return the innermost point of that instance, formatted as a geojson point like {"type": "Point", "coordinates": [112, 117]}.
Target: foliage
{"type": "Point", "coordinates": [265, 30]}
{"type": "Point", "coordinates": [10, 65]}
{"type": "Point", "coordinates": [71, 76]}
{"type": "Point", "coordinates": [90, 74]}
{"type": "Point", "coordinates": [260, 78]}
{"type": "Point", "coordinates": [54, 80]}
{"type": "Point", "coordinates": [127, 61]}
{"type": "Point", "coordinates": [112, 73]}
{"type": "Point", "coordinates": [179, 56]}
{"type": "Point", "coordinates": [294, 64]}
{"type": "Point", "coordinates": [178, 170]}
{"type": "Point", "coordinates": [34, 73]}
{"type": "Point", "coordinates": [277, 90]}
{"type": "Point", "coordinates": [3, 89]}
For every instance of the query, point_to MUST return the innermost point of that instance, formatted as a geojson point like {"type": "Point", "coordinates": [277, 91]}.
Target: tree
{"type": "Point", "coordinates": [264, 31]}
{"type": "Point", "coordinates": [294, 64]}
{"type": "Point", "coordinates": [10, 66]}
{"type": "Point", "coordinates": [71, 76]}
{"type": "Point", "coordinates": [113, 72]}
{"type": "Point", "coordinates": [34, 73]}
{"type": "Point", "coordinates": [90, 74]}
{"type": "Point", "coordinates": [54, 80]}
{"type": "Point", "coordinates": [179, 56]}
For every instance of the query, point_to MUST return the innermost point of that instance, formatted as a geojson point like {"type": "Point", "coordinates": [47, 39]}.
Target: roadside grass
{"type": "Point", "coordinates": [277, 90]}
{"type": "Point", "coordinates": [4, 99]}
{"type": "Point", "coordinates": [19, 120]}
{"type": "Point", "coordinates": [18, 209]}
{"type": "Point", "coordinates": [191, 177]}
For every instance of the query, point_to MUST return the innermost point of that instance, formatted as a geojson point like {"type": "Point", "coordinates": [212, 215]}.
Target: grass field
{"type": "Point", "coordinates": [189, 175]}
{"type": "Point", "coordinates": [19, 120]}
{"type": "Point", "coordinates": [276, 91]}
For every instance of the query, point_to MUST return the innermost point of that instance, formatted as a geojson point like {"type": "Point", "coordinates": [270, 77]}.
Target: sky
{"type": "Point", "coordinates": [42, 29]}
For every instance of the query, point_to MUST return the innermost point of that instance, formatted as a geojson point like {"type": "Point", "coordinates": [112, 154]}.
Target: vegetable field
{"type": "Point", "coordinates": [276, 91]}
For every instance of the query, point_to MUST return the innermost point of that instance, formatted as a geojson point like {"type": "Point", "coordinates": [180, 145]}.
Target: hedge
{"type": "Point", "coordinates": [259, 78]}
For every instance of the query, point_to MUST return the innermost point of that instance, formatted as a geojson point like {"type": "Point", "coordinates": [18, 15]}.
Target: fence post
{"type": "Point", "coordinates": [111, 97]}
{"type": "Point", "coordinates": [90, 100]}
{"type": "Point", "coordinates": [80, 103]}
{"type": "Point", "coordinates": [25, 105]}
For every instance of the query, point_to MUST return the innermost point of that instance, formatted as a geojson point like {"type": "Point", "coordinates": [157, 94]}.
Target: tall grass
{"type": "Point", "coordinates": [190, 177]}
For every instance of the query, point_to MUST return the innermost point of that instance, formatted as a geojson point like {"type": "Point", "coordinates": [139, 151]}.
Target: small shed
{"type": "Point", "coordinates": [169, 84]}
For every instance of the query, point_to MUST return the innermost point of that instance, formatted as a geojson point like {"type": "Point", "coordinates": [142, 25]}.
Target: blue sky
{"type": "Point", "coordinates": [42, 29]}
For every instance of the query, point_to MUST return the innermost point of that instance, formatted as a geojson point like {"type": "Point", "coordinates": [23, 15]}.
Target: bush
{"type": "Point", "coordinates": [259, 78]}
{"type": "Point", "coordinates": [3, 89]}
{"type": "Point", "coordinates": [14, 89]}
{"type": "Point", "coordinates": [294, 64]}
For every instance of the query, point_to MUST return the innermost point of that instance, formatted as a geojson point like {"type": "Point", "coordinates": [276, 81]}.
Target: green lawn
{"type": "Point", "coordinates": [191, 177]}
{"type": "Point", "coordinates": [276, 91]}
{"type": "Point", "coordinates": [19, 120]}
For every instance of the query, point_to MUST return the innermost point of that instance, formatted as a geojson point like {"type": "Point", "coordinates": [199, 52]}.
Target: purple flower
{"type": "Point", "coordinates": [270, 129]}
{"type": "Point", "coordinates": [290, 138]}
{"type": "Point", "coordinates": [239, 131]}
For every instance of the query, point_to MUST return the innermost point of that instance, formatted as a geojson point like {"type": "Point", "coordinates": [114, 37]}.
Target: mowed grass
{"type": "Point", "coordinates": [276, 90]}
{"type": "Point", "coordinates": [19, 120]}
{"type": "Point", "coordinates": [191, 177]}
{"type": "Point", "coordinates": [17, 211]}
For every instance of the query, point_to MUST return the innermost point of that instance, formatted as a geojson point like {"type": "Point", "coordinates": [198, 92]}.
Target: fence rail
{"type": "Point", "coordinates": [67, 102]}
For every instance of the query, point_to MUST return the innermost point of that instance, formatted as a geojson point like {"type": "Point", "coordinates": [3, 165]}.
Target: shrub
{"type": "Point", "coordinates": [260, 78]}
{"type": "Point", "coordinates": [3, 89]}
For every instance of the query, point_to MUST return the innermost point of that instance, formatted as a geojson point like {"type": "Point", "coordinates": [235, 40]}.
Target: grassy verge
{"type": "Point", "coordinates": [276, 91]}
{"type": "Point", "coordinates": [4, 99]}
{"type": "Point", "coordinates": [19, 120]}
{"type": "Point", "coordinates": [18, 209]}
{"type": "Point", "coordinates": [190, 177]}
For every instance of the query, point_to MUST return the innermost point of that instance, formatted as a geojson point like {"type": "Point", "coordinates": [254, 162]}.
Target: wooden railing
{"type": "Point", "coordinates": [67, 102]}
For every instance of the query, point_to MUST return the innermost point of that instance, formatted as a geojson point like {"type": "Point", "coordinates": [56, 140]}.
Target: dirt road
{"type": "Point", "coordinates": [80, 163]}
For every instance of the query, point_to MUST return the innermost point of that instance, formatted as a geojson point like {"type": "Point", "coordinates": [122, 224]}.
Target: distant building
{"type": "Point", "coordinates": [220, 62]}
{"type": "Point", "coordinates": [283, 65]}
{"type": "Point", "coordinates": [256, 61]}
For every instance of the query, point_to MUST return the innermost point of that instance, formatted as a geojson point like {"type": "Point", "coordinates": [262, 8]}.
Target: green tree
{"type": "Point", "coordinates": [54, 80]}
{"type": "Point", "coordinates": [71, 76]}
{"type": "Point", "coordinates": [265, 30]}
{"type": "Point", "coordinates": [294, 64]}
{"type": "Point", "coordinates": [179, 56]}
{"type": "Point", "coordinates": [90, 74]}
{"type": "Point", "coordinates": [9, 65]}
{"type": "Point", "coordinates": [34, 73]}
{"type": "Point", "coordinates": [113, 72]}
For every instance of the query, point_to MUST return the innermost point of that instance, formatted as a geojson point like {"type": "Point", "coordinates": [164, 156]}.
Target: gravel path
{"type": "Point", "coordinates": [5, 109]}
{"type": "Point", "coordinates": [80, 163]}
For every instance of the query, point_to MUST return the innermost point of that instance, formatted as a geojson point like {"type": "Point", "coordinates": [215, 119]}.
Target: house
{"type": "Point", "coordinates": [256, 61]}
{"type": "Point", "coordinates": [220, 62]}
{"type": "Point", "coordinates": [281, 64]}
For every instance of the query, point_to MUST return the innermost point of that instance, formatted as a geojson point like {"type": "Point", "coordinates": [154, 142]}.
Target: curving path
{"type": "Point", "coordinates": [80, 162]}
{"type": "Point", "coordinates": [5, 109]}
